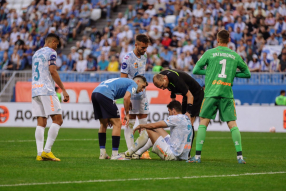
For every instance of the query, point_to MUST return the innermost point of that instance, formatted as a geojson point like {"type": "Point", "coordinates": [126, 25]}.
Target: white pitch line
{"type": "Point", "coordinates": [22, 141]}
{"type": "Point", "coordinates": [138, 179]}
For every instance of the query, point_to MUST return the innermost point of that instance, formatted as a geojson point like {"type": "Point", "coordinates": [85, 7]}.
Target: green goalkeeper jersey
{"type": "Point", "coordinates": [221, 68]}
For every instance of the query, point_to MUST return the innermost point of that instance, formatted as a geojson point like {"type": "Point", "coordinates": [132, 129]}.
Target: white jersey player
{"type": "Point", "coordinates": [175, 146]}
{"type": "Point", "coordinates": [44, 98]}
{"type": "Point", "coordinates": [134, 63]}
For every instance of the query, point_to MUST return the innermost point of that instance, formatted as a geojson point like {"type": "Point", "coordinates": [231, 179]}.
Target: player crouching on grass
{"type": "Point", "coordinates": [175, 146]}
{"type": "Point", "coordinates": [106, 111]}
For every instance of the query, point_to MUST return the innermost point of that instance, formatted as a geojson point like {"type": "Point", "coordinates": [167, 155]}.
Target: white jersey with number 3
{"type": "Point", "coordinates": [42, 81]}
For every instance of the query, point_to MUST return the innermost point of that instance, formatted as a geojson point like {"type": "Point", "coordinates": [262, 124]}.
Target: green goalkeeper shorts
{"type": "Point", "coordinates": [226, 107]}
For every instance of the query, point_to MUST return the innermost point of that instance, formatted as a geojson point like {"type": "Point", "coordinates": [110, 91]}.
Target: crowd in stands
{"type": "Point", "coordinates": [253, 25]}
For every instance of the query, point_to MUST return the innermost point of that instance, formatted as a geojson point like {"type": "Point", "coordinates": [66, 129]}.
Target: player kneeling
{"type": "Point", "coordinates": [175, 146]}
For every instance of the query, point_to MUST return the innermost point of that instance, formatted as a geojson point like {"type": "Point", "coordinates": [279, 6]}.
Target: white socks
{"type": "Point", "coordinates": [52, 135]}
{"type": "Point", "coordinates": [140, 142]}
{"type": "Point", "coordinates": [128, 133]}
{"type": "Point", "coordinates": [147, 146]}
{"type": "Point", "coordinates": [39, 135]}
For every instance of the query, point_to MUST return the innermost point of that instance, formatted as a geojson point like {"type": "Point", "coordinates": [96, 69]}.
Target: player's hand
{"type": "Point", "coordinates": [137, 128]}
{"type": "Point", "coordinates": [66, 96]}
{"type": "Point", "coordinates": [126, 118]}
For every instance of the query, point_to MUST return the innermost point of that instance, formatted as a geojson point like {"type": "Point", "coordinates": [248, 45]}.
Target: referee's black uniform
{"type": "Point", "coordinates": [179, 84]}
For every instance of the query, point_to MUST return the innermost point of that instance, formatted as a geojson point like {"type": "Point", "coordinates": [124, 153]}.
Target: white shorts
{"type": "Point", "coordinates": [139, 106]}
{"type": "Point", "coordinates": [162, 149]}
{"type": "Point", "coordinates": [43, 106]}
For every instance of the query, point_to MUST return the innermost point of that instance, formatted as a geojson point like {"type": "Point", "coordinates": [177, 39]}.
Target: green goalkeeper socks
{"type": "Point", "coordinates": [236, 137]}
{"type": "Point", "coordinates": [201, 136]}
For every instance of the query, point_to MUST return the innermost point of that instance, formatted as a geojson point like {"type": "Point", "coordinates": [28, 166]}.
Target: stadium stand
{"type": "Point", "coordinates": [96, 34]}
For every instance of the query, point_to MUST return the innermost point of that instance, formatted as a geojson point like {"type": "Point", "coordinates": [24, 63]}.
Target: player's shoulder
{"type": "Point", "coordinates": [129, 55]}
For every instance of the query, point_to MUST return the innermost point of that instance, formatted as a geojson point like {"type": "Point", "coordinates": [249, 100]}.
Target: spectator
{"type": "Point", "coordinates": [73, 11]}
{"type": "Point", "coordinates": [86, 4]}
{"type": "Point", "coordinates": [280, 26]}
{"type": "Point", "coordinates": [198, 12]}
{"type": "Point", "coordinates": [159, 4]}
{"type": "Point", "coordinates": [274, 63]}
{"type": "Point", "coordinates": [5, 63]}
{"type": "Point", "coordinates": [15, 59]}
{"type": "Point", "coordinates": [4, 44]}
{"type": "Point", "coordinates": [260, 42]}
{"type": "Point", "coordinates": [113, 65]}
{"type": "Point", "coordinates": [272, 40]}
{"type": "Point", "coordinates": [194, 32]}
{"type": "Point", "coordinates": [67, 7]}
{"type": "Point", "coordinates": [155, 35]}
{"type": "Point", "coordinates": [166, 40]}
{"type": "Point", "coordinates": [265, 63]}
{"type": "Point", "coordinates": [254, 64]}
{"type": "Point", "coordinates": [95, 34]}
{"type": "Point", "coordinates": [85, 43]}
{"type": "Point", "coordinates": [121, 19]}
{"type": "Point", "coordinates": [71, 64]}
{"type": "Point", "coordinates": [74, 26]}
{"type": "Point", "coordinates": [182, 63]}
{"type": "Point", "coordinates": [188, 47]}
{"type": "Point", "coordinates": [166, 54]}
{"type": "Point", "coordinates": [13, 36]}
{"type": "Point", "coordinates": [151, 11]}
{"type": "Point", "coordinates": [130, 13]}
{"type": "Point", "coordinates": [241, 50]}
{"type": "Point", "coordinates": [74, 54]}
{"type": "Point", "coordinates": [282, 63]}
{"type": "Point", "coordinates": [103, 63]}
{"type": "Point", "coordinates": [91, 63]}
{"type": "Point", "coordinates": [85, 16]}
{"type": "Point", "coordinates": [81, 64]}
{"type": "Point", "coordinates": [114, 49]}
{"type": "Point", "coordinates": [158, 66]}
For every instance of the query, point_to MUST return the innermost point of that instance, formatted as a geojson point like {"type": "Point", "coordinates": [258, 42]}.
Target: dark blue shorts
{"type": "Point", "coordinates": [103, 107]}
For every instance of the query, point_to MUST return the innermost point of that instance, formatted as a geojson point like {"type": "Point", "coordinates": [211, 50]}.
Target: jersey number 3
{"type": "Point", "coordinates": [222, 74]}
{"type": "Point", "coordinates": [37, 70]}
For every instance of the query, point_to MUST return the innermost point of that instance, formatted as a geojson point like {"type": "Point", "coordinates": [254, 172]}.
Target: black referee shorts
{"type": "Point", "coordinates": [198, 99]}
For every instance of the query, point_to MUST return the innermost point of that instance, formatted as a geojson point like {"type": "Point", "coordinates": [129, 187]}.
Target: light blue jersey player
{"type": "Point", "coordinates": [45, 101]}
{"type": "Point", "coordinates": [107, 112]}
{"type": "Point", "coordinates": [177, 145]}
{"type": "Point", "coordinates": [134, 63]}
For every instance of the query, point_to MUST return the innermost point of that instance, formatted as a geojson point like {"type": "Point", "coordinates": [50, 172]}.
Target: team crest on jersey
{"type": "Point", "coordinates": [124, 65]}
{"type": "Point", "coordinates": [133, 90]}
{"type": "Point", "coordinates": [135, 65]}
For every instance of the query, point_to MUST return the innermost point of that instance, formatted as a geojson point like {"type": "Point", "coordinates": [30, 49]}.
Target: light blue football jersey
{"type": "Point", "coordinates": [42, 81]}
{"type": "Point", "coordinates": [133, 66]}
{"type": "Point", "coordinates": [180, 135]}
{"type": "Point", "coordinates": [116, 88]}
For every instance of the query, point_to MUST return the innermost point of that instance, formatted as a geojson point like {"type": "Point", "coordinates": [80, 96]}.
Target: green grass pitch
{"type": "Point", "coordinates": [80, 168]}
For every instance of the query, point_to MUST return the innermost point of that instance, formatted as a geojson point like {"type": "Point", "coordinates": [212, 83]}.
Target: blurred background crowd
{"type": "Point", "coordinates": [180, 32]}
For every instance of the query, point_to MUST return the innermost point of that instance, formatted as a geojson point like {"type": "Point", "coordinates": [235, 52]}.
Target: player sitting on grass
{"type": "Point", "coordinates": [106, 111]}
{"type": "Point", "coordinates": [222, 64]}
{"type": "Point", "coordinates": [175, 146]}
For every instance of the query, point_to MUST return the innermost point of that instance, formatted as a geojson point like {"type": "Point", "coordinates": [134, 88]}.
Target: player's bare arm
{"type": "Point", "coordinates": [150, 126]}
{"type": "Point", "coordinates": [127, 103]}
{"type": "Point", "coordinates": [56, 78]}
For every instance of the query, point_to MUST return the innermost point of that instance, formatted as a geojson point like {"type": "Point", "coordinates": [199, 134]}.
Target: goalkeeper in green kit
{"type": "Point", "coordinates": [222, 64]}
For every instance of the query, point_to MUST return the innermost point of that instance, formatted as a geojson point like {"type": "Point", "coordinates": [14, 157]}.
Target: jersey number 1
{"type": "Point", "coordinates": [222, 74]}
{"type": "Point", "coordinates": [37, 70]}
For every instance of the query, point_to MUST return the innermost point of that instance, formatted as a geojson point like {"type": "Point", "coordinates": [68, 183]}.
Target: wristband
{"type": "Point", "coordinates": [189, 108]}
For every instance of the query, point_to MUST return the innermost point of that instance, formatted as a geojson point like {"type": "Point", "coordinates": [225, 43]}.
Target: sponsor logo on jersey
{"type": "Point", "coordinates": [135, 65]}
{"type": "Point", "coordinates": [124, 65]}
{"type": "Point", "coordinates": [219, 82]}
{"type": "Point", "coordinates": [4, 114]}
{"type": "Point", "coordinates": [126, 57]}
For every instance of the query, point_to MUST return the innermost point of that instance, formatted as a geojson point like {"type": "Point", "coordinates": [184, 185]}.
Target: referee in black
{"type": "Point", "coordinates": [181, 83]}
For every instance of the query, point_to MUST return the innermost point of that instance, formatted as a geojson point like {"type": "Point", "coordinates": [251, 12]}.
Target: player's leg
{"type": "Point", "coordinates": [116, 123]}
{"type": "Point", "coordinates": [102, 138]}
{"type": "Point", "coordinates": [160, 146]}
{"type": "Point", "coordinates": [228, 113]}
{"type": "Point", "coordinates": [96, 100]}
{"type": "Point", "coordinates": [128, 131]}
{"type": "Point", "coordinates": [208, 111]}
{"type": "Point", "coordinates": [52, 108]}
{"type": "Point", "coordinates": [39, 112]}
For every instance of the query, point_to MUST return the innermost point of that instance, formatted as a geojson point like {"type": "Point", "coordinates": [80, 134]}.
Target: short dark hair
{"type": "Point", "coordinates": [142, 77]}
{"type": "Point", "coordinates": [142, 38]}
{"type": "Point", "coordinates": [223, 36]}
{"type": "Point", "coordinates": [52, 35]}
{"type": "Point", "coordinates": [175, 105]}
{"type": "Point", "coordinates": [282, 91]}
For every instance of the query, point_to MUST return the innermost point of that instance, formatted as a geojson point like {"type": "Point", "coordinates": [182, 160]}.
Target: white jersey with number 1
{"type": "Point", "coordinates": [42, 81]}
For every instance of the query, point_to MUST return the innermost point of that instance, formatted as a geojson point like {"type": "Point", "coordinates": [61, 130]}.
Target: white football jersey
{"type": "Point", "coordinates": [180, 135]}
{"type": "Point", "coordinates": [42, 81]}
